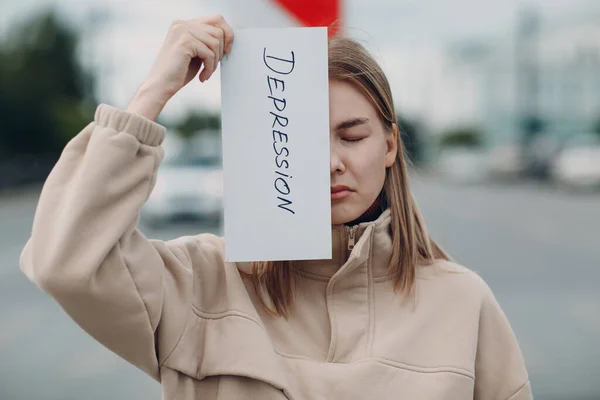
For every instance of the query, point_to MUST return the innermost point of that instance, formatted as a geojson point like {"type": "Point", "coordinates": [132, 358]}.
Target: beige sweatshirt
{"type": "Point", "coordinates": [189, 319]}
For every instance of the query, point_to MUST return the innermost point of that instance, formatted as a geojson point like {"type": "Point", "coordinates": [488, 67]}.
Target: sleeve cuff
{"type": "Point", "coordinates": [146, 131]}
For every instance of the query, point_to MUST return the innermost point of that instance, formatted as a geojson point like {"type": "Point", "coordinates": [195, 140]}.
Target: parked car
{"type": "Point", "coordinates": [578, 164]}
{"type": "Point", "coordinates": [463, 165]}
{"type": "Point", "coordinates": [505, 162]}
{"type": "Point", "coordinates": [188, 186]}
{"type": "Point", "coordinates": [541, 156]}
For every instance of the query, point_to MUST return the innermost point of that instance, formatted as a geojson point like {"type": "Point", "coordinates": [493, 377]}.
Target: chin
{"type": "Point", "coordinates": [342, 215]}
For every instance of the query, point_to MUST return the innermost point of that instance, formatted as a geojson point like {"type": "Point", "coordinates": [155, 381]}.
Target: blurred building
{"type": "Point", "coordinates": [549, 71]}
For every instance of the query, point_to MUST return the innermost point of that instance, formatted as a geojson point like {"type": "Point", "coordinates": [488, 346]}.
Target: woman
{"type": "Point", "coordinates": [390, 316]}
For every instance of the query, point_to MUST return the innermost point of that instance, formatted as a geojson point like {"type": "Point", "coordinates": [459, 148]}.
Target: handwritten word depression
{"type": "Point", "coordinates": [280, 67]}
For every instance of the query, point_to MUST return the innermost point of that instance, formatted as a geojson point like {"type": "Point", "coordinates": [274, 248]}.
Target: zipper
{"type": "Point", "coordinates": [351, 237]}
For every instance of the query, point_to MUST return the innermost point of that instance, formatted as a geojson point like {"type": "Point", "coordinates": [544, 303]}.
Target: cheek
{"type": "Point", "coordinates": [369, 167]}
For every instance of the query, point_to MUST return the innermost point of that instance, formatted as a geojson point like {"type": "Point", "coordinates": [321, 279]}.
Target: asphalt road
{"type": "Point", "coordinates": [538, 249]}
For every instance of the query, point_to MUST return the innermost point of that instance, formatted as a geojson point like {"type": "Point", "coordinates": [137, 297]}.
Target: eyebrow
{"type": "Point", "coordinates": [351, 123]}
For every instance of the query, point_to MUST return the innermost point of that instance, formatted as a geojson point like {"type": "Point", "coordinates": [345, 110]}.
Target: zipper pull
{"type": "Point", "coordinates": [351, 237]}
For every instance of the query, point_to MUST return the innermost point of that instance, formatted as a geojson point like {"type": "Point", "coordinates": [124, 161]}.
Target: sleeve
{"type": "Point", "coordinates": [86, 252]}
{"type": "Point", "coordinates": [500, 372]}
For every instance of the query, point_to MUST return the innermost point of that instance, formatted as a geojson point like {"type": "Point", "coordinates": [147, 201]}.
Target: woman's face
{"type": "Point", "coordinates": [361, 150]}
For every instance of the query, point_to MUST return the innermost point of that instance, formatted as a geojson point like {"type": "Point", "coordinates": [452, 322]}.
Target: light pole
{"type": "Point", "coordinates": [529, 123]}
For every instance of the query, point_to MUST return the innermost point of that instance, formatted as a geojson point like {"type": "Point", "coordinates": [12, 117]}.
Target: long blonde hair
{"type": "Point", "coordinates": [350, 62]}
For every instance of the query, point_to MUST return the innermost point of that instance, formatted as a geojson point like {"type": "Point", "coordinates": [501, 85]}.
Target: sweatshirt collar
{"type": "Point", "coordinates": [354, 244]}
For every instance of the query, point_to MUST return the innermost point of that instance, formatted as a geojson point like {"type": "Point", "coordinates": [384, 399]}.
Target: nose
{"type": "Point", "coordinates": [336, 164]}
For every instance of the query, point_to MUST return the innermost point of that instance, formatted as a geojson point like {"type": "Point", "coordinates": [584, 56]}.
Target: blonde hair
{"type": "Point", "coordinates": [350, 62]}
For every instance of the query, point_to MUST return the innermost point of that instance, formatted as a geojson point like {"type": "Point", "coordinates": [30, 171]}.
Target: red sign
{"type": "Point", "coordinates": [315, 13]}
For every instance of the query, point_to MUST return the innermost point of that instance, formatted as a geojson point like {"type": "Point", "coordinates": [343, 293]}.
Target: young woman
{"type": "Point", "coordinates": [388, 317]}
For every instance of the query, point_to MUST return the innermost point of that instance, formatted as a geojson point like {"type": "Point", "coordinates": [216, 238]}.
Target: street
{"type": "Point", "coordinates": [538, 248]}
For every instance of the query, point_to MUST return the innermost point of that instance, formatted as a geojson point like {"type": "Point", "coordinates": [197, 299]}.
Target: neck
{"type": "Point", "coordinates": [372, 213]}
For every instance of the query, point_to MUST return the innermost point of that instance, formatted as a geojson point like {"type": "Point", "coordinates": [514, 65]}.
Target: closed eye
{"type": "Point", "coordinates": [352, 139]}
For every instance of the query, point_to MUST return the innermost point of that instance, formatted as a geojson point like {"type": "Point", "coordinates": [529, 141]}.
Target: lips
{"type": "Point", "coordinates": [339, 188]}
{"type": "Point", "coordinates": [340, 192]}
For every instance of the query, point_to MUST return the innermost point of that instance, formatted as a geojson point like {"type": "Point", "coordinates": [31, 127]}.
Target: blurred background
{"type": "Point", "coordinates": [499, 104]}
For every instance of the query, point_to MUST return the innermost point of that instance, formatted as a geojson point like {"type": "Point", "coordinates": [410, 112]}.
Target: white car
{"type": "Point", "coordinates": [578, 164]}
{"type": "Point", "coordinates": [463, 165]}
{"type": "Point", "coordinates": [187, 186]}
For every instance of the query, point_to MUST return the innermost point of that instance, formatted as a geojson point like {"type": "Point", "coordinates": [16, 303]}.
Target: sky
{"type": "Point", "coordinates": [402, 34]}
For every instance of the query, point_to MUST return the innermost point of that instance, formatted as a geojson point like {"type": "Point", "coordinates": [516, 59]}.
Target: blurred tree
{"type": "Point", "coordinates": [42, 87]}
{"type": "Point", "coordinates": [469, 137]}
{"type": "Point", "coordinates": [196, 122]}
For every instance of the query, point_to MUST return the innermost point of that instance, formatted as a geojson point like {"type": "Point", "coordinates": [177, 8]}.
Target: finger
{"type": "Point", "coordinates": [209, 40]}
{"type": "Point", "coordinates": [219, 35]}
{"type": "Point", "coordinates": [219, 21]}
{"type": "Point", "coordinates": [207, 55]}
{"type": "Point", "coordinates": [206, 33]}
{"type": "Point", "coordinates": [228, 35]}
{"type": "Point", "coordinates": [199, 34]}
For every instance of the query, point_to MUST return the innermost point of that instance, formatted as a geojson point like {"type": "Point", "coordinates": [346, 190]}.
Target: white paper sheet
{"type": "Point", "coordinates": [275, 123]}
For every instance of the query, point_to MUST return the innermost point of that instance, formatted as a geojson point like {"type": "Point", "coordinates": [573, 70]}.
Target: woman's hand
{"type": "Point", "coordinates": [189, 45]}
